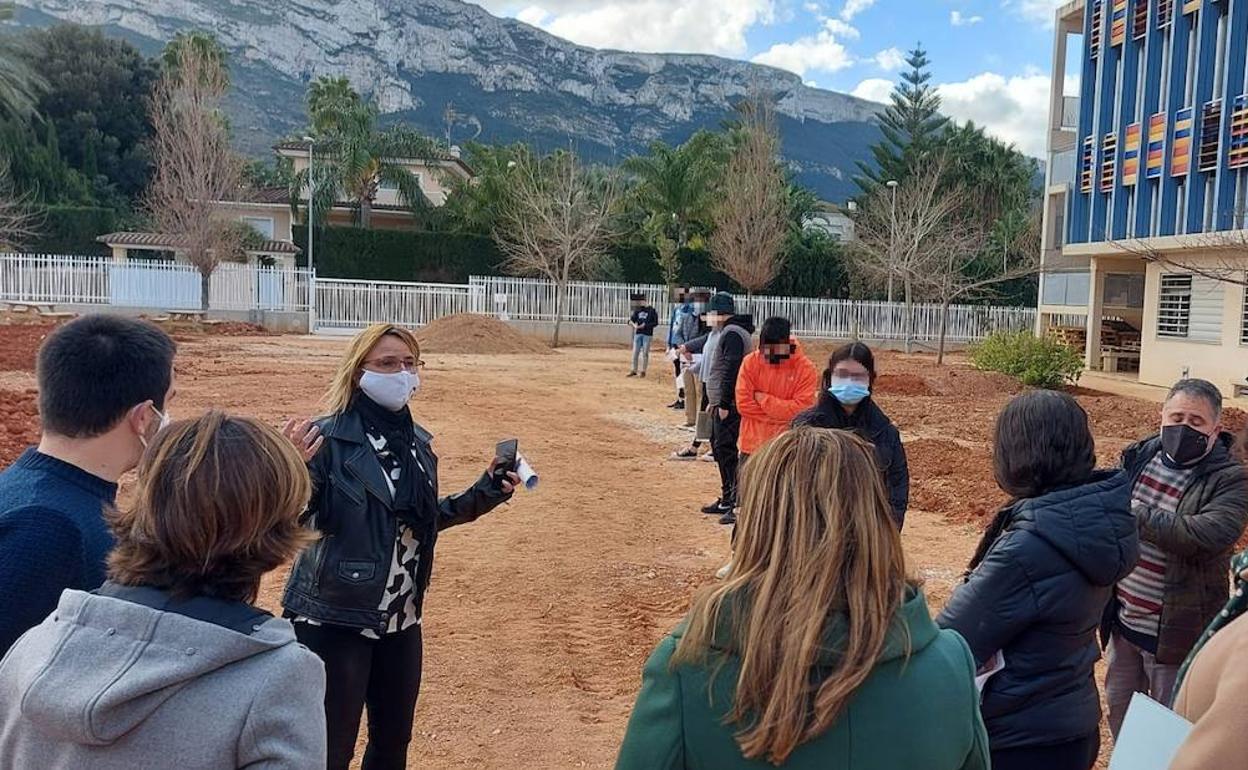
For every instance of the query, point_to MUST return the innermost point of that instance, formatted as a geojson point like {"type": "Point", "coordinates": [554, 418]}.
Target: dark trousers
{"type": "Point", "coordinates": [1075, 755]}
{"type": "Point", "coordinates": [382, 674]}
{"type": "Point", "coordinates": [724, 433]}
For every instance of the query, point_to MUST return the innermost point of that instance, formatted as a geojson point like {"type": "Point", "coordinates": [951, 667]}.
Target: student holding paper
{"type": "Point", "coordinates": [1039, 582]}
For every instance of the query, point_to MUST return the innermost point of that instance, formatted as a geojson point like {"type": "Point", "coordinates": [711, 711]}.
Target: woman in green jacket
{"type": "Point", "coordinates": [816, 652]}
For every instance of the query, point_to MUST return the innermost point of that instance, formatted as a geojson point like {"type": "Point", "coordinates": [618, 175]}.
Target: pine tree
{"type": "Point", "coordinates": [911, 125]}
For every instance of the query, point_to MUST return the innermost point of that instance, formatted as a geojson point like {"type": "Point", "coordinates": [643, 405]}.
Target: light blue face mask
{"type": "Point", "coordinates": [848, 392]}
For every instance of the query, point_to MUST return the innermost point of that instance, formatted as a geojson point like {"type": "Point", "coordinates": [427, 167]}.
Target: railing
{"type": "Point", "coordinates": [70, 280]}
{"type": "Point", "coordinates": [529, 299]}
{"type": "Point", "coordinates": [1070, 113]}
{"type": "Point", "coordinates": [1062, 167]}
{"type": "Point", "coordinates": [348, 304]}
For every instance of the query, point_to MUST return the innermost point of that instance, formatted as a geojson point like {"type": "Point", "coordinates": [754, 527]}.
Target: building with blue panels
{"type": "Point", "coordinates": [1146, 235]}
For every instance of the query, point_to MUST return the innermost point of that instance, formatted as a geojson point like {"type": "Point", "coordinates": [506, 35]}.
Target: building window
{"type": "Point", "coordinates": [1131, 196]}
{"type": "Point", "coordinates": [1155, 211]}
{"type": "Point", "coordinates": [1241, 201]}
{"type": "Point", "coordinates": [262, 225]}
{"type": "Point", "coordinates": [1174, 311]}
{"type": "Point", "coordinates": [1209, 193]}
{"type": "Point", "coordinates": [1219, 67]}
{"type": "Point", "coordinates": [1180, 220]}
{"type": "Point", "coordinates": [1189, 77]}
{"type": "Point", "coordinates": [392, 187]}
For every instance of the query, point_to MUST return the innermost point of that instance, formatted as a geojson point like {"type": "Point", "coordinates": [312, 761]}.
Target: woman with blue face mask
{"type": "Point", "coordinates": [845, 403]}
{"type": "Point", "coordinates": [356, 595]}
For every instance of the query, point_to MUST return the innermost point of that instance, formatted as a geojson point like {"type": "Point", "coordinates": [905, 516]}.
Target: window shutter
{"type": "Point", "coordinates": [1208, 298]}
{"type": "Point", "coordinates": [1174, 306]}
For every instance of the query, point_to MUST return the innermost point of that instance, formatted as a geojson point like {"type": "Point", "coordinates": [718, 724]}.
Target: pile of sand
{"type": "Point", "coordinates": [471, 334]}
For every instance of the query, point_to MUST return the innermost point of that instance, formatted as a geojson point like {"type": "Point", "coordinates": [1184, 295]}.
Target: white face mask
{"type": "Point", "coordinates": [164, 423]}
{"type": "Point", "coordinates": [390, 390]}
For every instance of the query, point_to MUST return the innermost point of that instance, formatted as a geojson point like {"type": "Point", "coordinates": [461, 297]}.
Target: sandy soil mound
{"type": "Point", "coordinates": [903, 385]}
{"type": "Point", "coordinates": [470, 334]}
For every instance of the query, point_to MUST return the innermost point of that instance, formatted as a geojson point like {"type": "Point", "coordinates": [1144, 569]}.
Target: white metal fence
{"type": "Point", "coordinates": [157, 285]}
{"type": "Point", "coordinates": [348, 304]}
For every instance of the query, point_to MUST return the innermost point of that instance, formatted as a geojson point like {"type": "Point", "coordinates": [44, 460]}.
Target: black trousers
{"type": "Point", "coordinates": [724, 434]}
{"type": "Point", "coordinates": [1074, 755]}
{"type": "Point", "coordinates": [382, 674]}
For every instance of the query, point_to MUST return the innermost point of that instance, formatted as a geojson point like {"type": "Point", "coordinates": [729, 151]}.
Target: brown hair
{"type": "Point", "coordinates": [342, 387]}
{"type": "Point", "coordinates": [815, 537]}
{"type": "Point", "coordinates": [217, 506]}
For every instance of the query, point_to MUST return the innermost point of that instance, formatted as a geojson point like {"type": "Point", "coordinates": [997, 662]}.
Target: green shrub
{"type": "Point", "coordinates": [399, 255]}
{"type": "Point", "coordinates": [1039, 362]}
{"type": "Point", "coordinates": [73, 230]}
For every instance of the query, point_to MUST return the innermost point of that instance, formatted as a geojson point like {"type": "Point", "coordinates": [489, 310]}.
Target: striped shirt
{"type": "Point", "coordinates": [1142, 593]}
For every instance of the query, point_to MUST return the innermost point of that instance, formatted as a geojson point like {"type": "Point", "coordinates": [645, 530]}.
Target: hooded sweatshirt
{"type": "Point", "coordinates": [1047, 572]}
{"type": "Point", "coordinates": [723, 350]}
{"type": "Point", "coordinates": [110, 684]}
{"type": "Point", "coordinates": [784, 390]}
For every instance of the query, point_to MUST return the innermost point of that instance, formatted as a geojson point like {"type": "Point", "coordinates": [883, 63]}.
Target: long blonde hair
{"type": "Point", "coordinates": [815, 537]}
{"type": "Point", "coordinates": [342, 387]}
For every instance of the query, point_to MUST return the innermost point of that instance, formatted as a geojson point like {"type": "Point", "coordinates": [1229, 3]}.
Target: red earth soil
{"type": "Point", "coordinates": [19, 344]}
{"type": "Point", "coordinates": [19, 423]}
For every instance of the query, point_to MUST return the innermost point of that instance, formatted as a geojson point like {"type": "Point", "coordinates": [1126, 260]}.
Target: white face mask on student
{"type": "Point", "coordinates": [164, 423]}
{"type": "Point", "coordinates": [391, 391]}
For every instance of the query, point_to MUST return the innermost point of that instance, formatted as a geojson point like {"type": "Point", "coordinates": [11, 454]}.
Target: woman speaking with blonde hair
{"type": "Point", "coordinates": [816, 651]}
{"type": "Point", "coordinates": [355, 596]}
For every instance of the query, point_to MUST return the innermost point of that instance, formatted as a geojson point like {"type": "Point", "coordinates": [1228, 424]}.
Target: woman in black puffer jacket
{"type": "Point", "coordinates": [1039, 583]}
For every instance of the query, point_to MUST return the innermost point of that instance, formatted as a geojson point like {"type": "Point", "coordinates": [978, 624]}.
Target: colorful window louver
{"type": "Point", "coordinates": [1156, 145]}
{"type": "Point", "coordinates": [1139, 28]}
{"type": "Point", "coordinates": [1191, 6]}
{"type": "Point", "coordinates": [1109, 156]}
{"type": "Point", "coordinates": [1237, 152]}
{"type": "Point", "coordinates": [1210, 134]}
{"type": "Point", "coordinates": [1094, 43]}
{"type": "Point", "coordinates": [1164, 7]}
{"type": "Point", "coordinates": [1181, 154]}
{"type": "Point", "coordinates": [1118, 23]}
{"type": "Point", "coordinates": [1131, 155]}
{"type": "Point", "coordinates": [1086, 164]}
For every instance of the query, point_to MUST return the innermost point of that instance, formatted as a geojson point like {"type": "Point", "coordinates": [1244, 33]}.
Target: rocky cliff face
{"type": "Point", "coordinates": [506, 80]}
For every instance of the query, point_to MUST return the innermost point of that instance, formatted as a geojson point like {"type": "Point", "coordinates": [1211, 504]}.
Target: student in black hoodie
{"type": "Point", "coordinates": [845, 403]}
{"type": "Point", "coordinates": [643, 320]}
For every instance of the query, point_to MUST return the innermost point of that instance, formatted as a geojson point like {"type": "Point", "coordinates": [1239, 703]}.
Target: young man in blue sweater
{"type": "Point", "coordinates": [105, 384]}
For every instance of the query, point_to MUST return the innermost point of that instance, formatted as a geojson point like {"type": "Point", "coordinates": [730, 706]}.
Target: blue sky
{"type": "Point", "coordinates": [990, 58]}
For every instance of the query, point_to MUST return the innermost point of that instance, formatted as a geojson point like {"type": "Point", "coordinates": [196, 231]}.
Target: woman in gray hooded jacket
{"type": "Point", "coordinates": [168, 664]}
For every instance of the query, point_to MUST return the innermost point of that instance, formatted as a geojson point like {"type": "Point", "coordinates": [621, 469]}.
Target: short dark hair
{"type": "Point", "coordinates": [854, 351]}
{"type": "Point", "coordinates": [94, 369]}
{"type": "Point", "coordinates": [217, 506]}
{"type": "Point", "coordinates": [1042, 443]}
{"type": "Point", "coordinates": [775, 331]}
{"type": "Point", "coordinates": [1199, 389]}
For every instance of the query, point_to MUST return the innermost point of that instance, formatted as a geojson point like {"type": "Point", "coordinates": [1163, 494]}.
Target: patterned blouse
{"type": "Point", "coordinates": [399, 598]}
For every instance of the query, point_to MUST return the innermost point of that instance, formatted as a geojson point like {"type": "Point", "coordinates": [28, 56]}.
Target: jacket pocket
{"type": "Point", "coordinates": [357, 571]}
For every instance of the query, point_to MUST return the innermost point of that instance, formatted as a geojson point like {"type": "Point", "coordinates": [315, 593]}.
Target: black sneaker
{"type": "Point", "coordinates": [717, 508]}
{"type": "Point", "coordinates": [632, 374]}
{"type": "Point", "coordinates": [676, 405]}
{"type": "Point", "coordinates": [729, 518]}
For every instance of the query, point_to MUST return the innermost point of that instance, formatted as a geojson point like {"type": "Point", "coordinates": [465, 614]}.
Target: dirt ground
{"type": "Point", "coordinates": [541, 615]}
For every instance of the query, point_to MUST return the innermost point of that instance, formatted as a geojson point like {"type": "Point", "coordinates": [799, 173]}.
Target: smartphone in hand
{"type": "Point", "coordinates": [507, 453]}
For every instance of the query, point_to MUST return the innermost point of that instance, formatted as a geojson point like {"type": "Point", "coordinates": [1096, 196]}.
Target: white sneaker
{"type": "Point", "coordinates": [707, 457]}
{"type": "Point", "coordinates": [723, 571]}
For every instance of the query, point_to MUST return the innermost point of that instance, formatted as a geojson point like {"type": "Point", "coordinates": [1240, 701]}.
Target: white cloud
{"type": "Point", "coordinates": [821, 52]}
{"type": "Point", "coordinates": [958, 20]}
{"type": "Point", "coordinates": [814, 8]}
{"type": "Point", "coordinates": [890, 59]}
{"type": "Point", "coordinates": [854, 7]}
{"type": "Point", "coordinates": [687, 26]}
{"type": "Point", "coordinates": [874, 90]}
{"type": "Point", "coordinates": [1012, 109]}
{"type": "Point", "coordinates": [1037, 11]}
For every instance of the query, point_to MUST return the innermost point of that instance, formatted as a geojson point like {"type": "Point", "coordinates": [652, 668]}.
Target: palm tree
{"type": "Point", "coordinates": [354, 159]}
{"type": "Point", "coordinates": [210, 51]}
{"type": "Point", "coordinates": [476, 205]}
{"type": "Point", "coordinates": [675, 185]}
{"type": "Point", "coordinates": [20, 84]}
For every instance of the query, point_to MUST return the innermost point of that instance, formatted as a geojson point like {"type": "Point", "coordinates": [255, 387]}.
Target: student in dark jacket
{"type": "Point", "coordinates": [1038, 584]}
{"type": "Point", "coordinates": [723, 350]}
{"type": "Point", "coordinates": [356, 595]}
{"type": "Point", "coordinates": [845, 403]}
{"type": "Point", "coordinates": [105, 384]}
{"type": "Point", "coordinates": [643, 320]}
{"type": "Point", "coordinates": [1190, 497]}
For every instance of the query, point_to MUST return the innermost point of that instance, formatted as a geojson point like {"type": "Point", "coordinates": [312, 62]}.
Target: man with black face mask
{"type": "Point", "coordinates": [1190, 501]}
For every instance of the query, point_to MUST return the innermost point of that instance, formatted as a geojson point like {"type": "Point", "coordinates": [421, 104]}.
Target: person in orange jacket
{"type": "Point", "coordinates": [776, 383]}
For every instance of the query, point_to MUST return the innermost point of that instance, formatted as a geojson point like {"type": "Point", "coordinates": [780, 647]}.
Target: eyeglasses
{"type": "Point", "coordinates": [392, 364]}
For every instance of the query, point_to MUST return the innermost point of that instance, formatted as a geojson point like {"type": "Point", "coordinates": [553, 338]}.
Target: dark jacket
{"type": "Point", "coordinates": [870, 423]}
{"type": "Point", "coordinates": [340, 578]}
{"type": "Point", "coordinates": [684, 325]}
{"type": "Point", "coordinates": [916, 710]}
{"type": "Point", "coordinates": [647, 318]}
{"type": "Point", "coordinates": [1037, 597]}
{"type": "Point", "coordinates": [723, 353]}
{"type": "Point", "coordinates": [1198, 541]}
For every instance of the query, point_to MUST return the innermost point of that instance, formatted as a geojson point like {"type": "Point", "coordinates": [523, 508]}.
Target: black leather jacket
{"type": "Point", "coordinates": [341, 577]}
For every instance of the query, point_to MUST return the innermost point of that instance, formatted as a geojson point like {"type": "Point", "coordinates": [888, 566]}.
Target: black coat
{"type": "Point", "coordinates": [869, 422]}
{"type": "Point", "coordinates": [340, 579]}
{"type": "Point", "coordinates": [1037, 597]}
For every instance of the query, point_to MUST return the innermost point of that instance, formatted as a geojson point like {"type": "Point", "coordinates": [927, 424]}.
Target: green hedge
{"type": "Point", "coordinates": [1039, 362]}
{"type": "Point", "coordinates": [399, 255]}
{"type": "Point", "coordinates": [73, 230]}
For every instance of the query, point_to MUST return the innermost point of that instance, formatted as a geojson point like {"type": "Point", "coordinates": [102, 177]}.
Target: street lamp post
{"type": "Point", "coordinates": [311, 195]}
{"type": "Point", "coordinates": [892, 239]}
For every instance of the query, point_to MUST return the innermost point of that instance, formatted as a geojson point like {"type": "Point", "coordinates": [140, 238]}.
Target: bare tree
{"type": "Point", "coordinates": [558, 222]}
{"type": "Point", "coordinates": [751, 217]}
{"type": "Point", "coordinates": [194, 165]}
{"type": "Point", "coordinates": [1223, 256]}
{"type": "Point", "coordinates": [18, 221]}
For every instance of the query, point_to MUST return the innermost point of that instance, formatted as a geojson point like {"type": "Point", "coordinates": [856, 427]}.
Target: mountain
{"type": "Point", "coordinates": [506, 80]}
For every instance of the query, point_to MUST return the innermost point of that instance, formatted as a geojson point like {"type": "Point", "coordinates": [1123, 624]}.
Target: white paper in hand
{"type": "Point", "coordinates": [1150, 737]}
{"type": "Point", "coordinates": [986, 672]}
